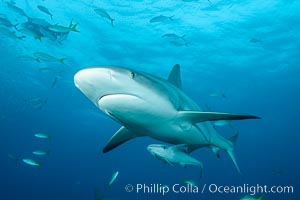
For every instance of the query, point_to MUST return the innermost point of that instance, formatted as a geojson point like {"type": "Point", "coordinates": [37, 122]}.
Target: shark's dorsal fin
{"type": "Point", "coordinates": [121, 136]}
{"type": "Point", "coordinates": [197, 116]}
{"type": "Point", "coordinates": [175, 77]}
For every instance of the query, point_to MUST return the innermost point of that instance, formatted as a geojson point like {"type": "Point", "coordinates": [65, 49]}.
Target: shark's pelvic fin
{"type": "Point", "coordinates": [234, 138]}
{"type": "Point", "coordinates": [175, 77]}
{"type": "Point", "coordinates": [184, 164]}
{"type": "Point", "coordinates": [216, 151]}
{"type": "Point", "coordinates": [230, 151]}
{"type": "Point", "coordinates": [197, 116]}
{"type": "Point", "coordinates": [121, 136]}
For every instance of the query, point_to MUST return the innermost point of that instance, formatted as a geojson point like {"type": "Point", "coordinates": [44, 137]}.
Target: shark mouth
{"type": "Point", "coordinates": [111, 115]}
{"type": "Point", "coordinates": [107, 112]}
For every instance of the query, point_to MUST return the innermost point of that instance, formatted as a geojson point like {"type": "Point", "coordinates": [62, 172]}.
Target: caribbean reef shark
{"type": "Point", "coordinates": [174, 154]}
{"type": "Point", "coordinates": [146, 105]}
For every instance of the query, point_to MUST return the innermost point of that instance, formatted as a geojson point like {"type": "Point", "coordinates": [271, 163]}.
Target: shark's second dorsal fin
{"type": "Point", "coordinates": [198, 116]}
{"type": "Point", "coordinates": [175, 77]}
{"type": "Point", "coordinates": [121, 136]}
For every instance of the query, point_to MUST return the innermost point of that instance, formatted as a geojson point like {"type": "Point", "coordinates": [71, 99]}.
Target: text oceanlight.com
{"type": "Point", "coordinates": [163, 189]}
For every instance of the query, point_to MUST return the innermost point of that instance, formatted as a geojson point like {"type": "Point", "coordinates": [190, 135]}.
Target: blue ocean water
{"type": "Point", "coordinates": [235, 56]}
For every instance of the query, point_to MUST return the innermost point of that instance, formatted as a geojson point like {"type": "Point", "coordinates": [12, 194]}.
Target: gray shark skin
{"type": "Point", "coordinates": [146, 105]}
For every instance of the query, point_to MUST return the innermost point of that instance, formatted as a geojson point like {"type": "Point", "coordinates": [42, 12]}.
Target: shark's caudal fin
{"type": "Point", "coordinates": [175, 77]}
{"type": "Point", "coordinates": [231, 151]}
{"type": "Point", "coordinates": [197, 116]}
{"type": "Point", "coordinates": [121, 136]}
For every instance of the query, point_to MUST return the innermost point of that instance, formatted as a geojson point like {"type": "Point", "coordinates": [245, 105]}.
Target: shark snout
{"type": "Point", "coordinates": [155, 149]}
{"type": "Point", "coordinates": [93, 82]}
{"type": "Point", "coordinates": [149, 148]}
{"type": "Point", "coordinates": [91, 76]}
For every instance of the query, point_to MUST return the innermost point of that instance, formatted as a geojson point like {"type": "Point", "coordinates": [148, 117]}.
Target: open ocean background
{"type": "Point", "coordinates": [247, 50]}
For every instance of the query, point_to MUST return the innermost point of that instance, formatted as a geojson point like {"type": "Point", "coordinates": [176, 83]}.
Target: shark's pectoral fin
{"type": "Point", "coordinates": [164, 160]}
{"type": "Point", "coordinates": [168, 162]}
{"type": "Point", "coordinates": [183, 164]}
{"type": "Point", "coordinates": [121, 136]}
{"type": "Point", "coordinates": [197, 116]}
{"type": "Point", "coordinates": [175, 77]}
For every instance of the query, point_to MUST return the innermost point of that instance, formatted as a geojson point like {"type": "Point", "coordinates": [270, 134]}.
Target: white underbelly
{"type": "Point", "coordinates": [133, 111]}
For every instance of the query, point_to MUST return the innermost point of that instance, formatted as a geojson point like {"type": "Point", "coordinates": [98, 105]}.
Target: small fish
{"type": "Point", "coordinates": [54, 82]}
{"type": "Point", "coordinates": [46, 69]}
{"type": "Point", "coordinates": [31, 32]}
{"type": "Point", "coordinates": [33, 99]}
{"type": "Point", "coordinates": [11, 34]}
{"type": "Point", "coordinates": [217, 95]}
{"type": "Point", "coordinates": [255, 40]}
{"type": "Point", "coordinates": [249, 197]}
{"type": "Point", "coordinates": [6, 22]}
{"type": "Point", "coordinates": [63, 29]}
{"type": "Point", "coordinates": [173, 36]}
{"type": "Point", "coordinates": [113, 178]}
{"type": "Point", "coordinates": [48, 58]}
{"type": "Point", "coordinates": [37, 102]}
{"type": "Point", "coordinates": [179, 43]}
{"type": "Point", "coordinates": [189, 182]}
{"type": "Point", "coordinates": [28, 58]}
{"type": "Point", "coordinates": [16, 9]}
{"type": "Point", "coordinates": [31, 162]}
{"type": "Point", "coordinates": [41, 153]}
{"type": "Point", "coordinates": [43, 136]}
{"type": "Point", "coordinates": [45, 10]}
{"type": "Point", "coordinates": [37, 21]}
{"type": "Point", "coordinates": [104, 14]}
{"type": "Point", "coordinates": [161, 18]}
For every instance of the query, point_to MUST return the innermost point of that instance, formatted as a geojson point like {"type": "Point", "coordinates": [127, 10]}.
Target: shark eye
{"type": "Point", "coordinates": [164, 147]}
{"type": "Point", "coordinates": [132, 75]}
